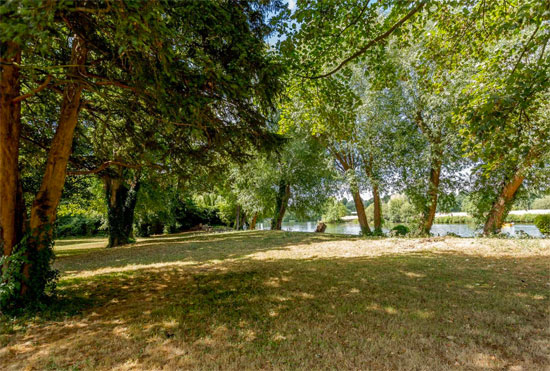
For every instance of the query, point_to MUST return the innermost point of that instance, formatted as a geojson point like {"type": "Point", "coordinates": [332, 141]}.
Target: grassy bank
{"type": "Point", "coordinates": [279, 300]}
{"type": "Point", "coordinates": [511, 218]}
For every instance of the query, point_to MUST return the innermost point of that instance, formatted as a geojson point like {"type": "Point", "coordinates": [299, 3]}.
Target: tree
{"type": "Point", "coordinates": [332, 34]}
{"type": "Point", "coordinates": [503, 111]}
{"type": "Point", "coordinates": [157, 51]}
{"type": "Point", "coordinates": [334, 211]}
{"type": "Point", "coordinates": [304, 178]}
{"type": "Point", "coordinates": [426, 151]}
{"type": "Point", "coordinates": [326, 109]}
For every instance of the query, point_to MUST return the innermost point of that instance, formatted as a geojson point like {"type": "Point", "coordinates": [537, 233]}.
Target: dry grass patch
{"type": "Point", "coordinates": [276, 300]}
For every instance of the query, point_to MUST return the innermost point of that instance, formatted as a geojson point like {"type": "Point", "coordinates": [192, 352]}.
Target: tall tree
{"type": "Point", "coordinates": [158, 51]}
{"type": "Point", "coordinates": [327, 110]}
{"type": "Point", "coordinates": [501, 48]}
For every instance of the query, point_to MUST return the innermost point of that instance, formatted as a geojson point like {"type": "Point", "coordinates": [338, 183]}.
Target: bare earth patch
{"type": "Point", "coordinates": [276, 300]}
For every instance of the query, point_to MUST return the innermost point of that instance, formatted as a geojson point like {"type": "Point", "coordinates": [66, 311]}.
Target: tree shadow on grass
{"type": "Point", "coordinates": [408, 311]}
{"type": "Point", "coordinates": [191, 249]}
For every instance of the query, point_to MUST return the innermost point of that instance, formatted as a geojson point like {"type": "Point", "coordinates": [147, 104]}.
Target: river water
{"type": "Point", "coordinates": [463, 230]}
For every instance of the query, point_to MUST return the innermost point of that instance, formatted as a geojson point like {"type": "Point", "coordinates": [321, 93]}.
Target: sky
{"type": "Point", "coordinates": [291, 4]}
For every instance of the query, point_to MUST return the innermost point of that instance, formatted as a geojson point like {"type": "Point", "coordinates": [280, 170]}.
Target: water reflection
{"type": "Point", "coordinates": [463, 230]}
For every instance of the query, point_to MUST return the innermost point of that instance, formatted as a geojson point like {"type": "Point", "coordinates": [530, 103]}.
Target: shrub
{"type": "Point", "coordinates": [78, 225]}
{"type": "Point", "coordinates": [543, 224]}
{"type": "Point", "coordinates": [542, 203]}
{"type": "Point", "coordinates": [399, 230]}
{"type": "Point", "coordinates": [42, 278]}
{"type": "Point", "coordinates": [334, 211]}
{"type": "Point", "coordinates": [521, 218]}
{"type": "Point", "coordinates": [187, 215]}
{"type": "Point", "coordinates": [454, 219]}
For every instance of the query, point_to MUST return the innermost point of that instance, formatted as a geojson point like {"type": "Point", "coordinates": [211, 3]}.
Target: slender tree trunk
{"type": "Point", "coordinates": [347, 164]}
{"type": "Point", "coordinates": [433, 194]}
{"type": "Point", "coordinates": [376, 197]}
{"type": "Point", "coordinates": [361, 215]}
{"type": "Point", "coordinates": [282, 203]}
{"type": "Point", "coordinates": [11, 224]}
{"type": "Point", "coordinates": [501, 206]}
{"type": "Point", "coordinates": [243, 219]}
{"type": "Point", "coordinates": [377, 209]}
{"type": "Point", "coordinates": [237, 217]}
{"type": "Point", "coordinates": [121, 202]}
{"type": "Point", "coordinates": [253, 222]}
{"type": "Point", "coordinates": [44, 206]}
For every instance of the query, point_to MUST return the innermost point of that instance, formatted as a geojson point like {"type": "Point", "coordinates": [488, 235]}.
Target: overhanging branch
{"type": "Point", "coordinates": [373, 41]}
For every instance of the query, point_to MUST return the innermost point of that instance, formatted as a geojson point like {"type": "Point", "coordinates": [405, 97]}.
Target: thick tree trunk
{"type": "Point", "coordinates": [361, 215]}
{"type": "Point", "coordinates": [253, 221]}
{"type": "Point", "coordinates": [282, 203]}
{"type": "Point", "coordinates": [377, 209]}
{"type": "Point", "coordinates": [433, 194]}
{"type": "Point", "coordinates": [11, 217]}
{"type": "Point", "coordinates": [501, 206]}
{"type": "Point", "coordinates": [121, 203]}
{"type": "Point", "coordinates": [44, 206]}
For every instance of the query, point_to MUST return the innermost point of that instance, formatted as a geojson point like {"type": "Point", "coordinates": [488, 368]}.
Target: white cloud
{"type": "Point", "coordinates": [291, 4]}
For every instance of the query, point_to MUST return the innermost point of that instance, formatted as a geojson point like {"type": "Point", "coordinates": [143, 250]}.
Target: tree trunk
{"type": "Point", "coordinates": [361, 215]}
{"type": "Point", "coordinates": [501, 206]}
{"type": "Point", "coordinates": [376, 197]}
{"type": "Point", "coordinates": [377, 209]}
{"type": "Point", "coordinates": [433, 194]}
{"type": "Point", "coordinates": [282, 203]}
{"type": "Point", "coordinates": [44, 206]}
{"type": "Point", "coordinates": [11, 217]}
{"type": "Point", "coordinates": [253, 222]}
{"type": "Point", "coordinates": [121, 202]}
{"type": "Point", "coordinates": [347, 164]}
{"type": "Point", "coordinates": [237, 217]}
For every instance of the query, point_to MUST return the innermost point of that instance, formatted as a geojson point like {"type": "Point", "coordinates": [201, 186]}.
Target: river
{"type": "Point", "coordinates": [463, 230]}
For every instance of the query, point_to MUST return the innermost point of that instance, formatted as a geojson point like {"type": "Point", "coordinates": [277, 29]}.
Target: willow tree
{"type": "Point", "coordinates": [426, 153]}
{"type": "Point", "coordinates": [303, 178]}
{"type": "Point", "coordinates": [327, 110]}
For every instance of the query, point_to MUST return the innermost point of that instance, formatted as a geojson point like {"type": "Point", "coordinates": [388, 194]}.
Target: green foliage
{"type": "Point", "coordinates": [41, 280]}
{"type": "Point", "coordinates": [82, 210]}
{"type": "Point", "coordinates": [543, 224]}
{"type": "Point", "coordinates": [78, 225]}
{"type": "Point", "coordinates": [334, 211]}
{"type": "Point", "coordinates": [400, 210]}
{"type": "Point", "coordinates": [542, 203]}
{"type": "Point", "coordinates": [183, 214]}
{"type": "Point", "coordinates": [454, 219]}
{"type": "Point", "coordinates": [188, 214]}
{"type": "Point", "coordinates": [521, 218]}
{"type": "Point", "coordinates": [399, 230]}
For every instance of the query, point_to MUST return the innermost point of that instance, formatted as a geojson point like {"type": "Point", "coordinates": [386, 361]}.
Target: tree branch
{"type": "Point", "coordinates": [373, 41]}
{"type": "Point", "coordinates": [34, 91]}
{"type": "Point", "coordinates": [102, 167]}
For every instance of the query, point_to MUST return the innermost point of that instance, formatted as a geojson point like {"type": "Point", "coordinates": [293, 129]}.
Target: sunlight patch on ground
{"type": "Point", "coordinates": [278, 299]}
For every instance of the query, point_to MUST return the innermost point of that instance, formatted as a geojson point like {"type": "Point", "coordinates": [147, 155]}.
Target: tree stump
{"type": "Point", "coordinates": [321, 228]}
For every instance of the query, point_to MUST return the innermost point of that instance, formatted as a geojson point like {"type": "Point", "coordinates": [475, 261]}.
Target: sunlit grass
{"type": "Point", "coordinates": [273, 300]}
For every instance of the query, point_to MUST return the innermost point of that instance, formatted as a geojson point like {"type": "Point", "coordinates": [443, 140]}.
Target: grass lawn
{"type": "Point", "coordinates": [279, 300]}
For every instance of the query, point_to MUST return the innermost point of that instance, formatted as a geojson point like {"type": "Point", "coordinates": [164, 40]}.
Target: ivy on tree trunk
{"type": "Point", "coordinates": [121, 202]}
